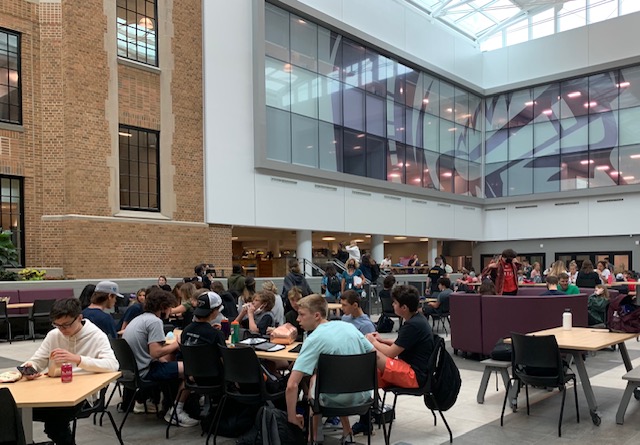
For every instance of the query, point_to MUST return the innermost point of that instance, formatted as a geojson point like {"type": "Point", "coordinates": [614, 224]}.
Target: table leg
{"type": "Point", "coordinates": [27, 424]}
{"type": "Point", "coordinates": [586, 386]}
{"type": "Point", "coordinates": [625, 356]}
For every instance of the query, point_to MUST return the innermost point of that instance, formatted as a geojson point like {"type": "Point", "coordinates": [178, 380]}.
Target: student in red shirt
{"type": "Point", "coordinates": [504, 273]}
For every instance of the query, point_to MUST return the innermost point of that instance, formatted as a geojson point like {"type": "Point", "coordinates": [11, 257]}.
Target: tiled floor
{"type": "Point", "coordinates": [471, 423]}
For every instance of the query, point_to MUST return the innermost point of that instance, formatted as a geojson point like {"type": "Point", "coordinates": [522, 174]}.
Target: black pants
{"type": "Point", "coordinates": [56, 422]}
{"type": "Point", "coordinates": [515, 292]}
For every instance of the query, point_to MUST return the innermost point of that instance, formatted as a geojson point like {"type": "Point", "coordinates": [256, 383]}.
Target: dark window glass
{"type": "Point", "coordinates": [375, 112]}
{"type": "Point", "coordinates": [375, 158]}
{"type": "Point", "coordinates": [304, 141]}
{"type": "Point", "coordinates": [520, 178]}
{"type": "Point", "coordinates": [546, 104]}
{"type": "Point", "coordinates": [353, 63]}
{"type": "Point", "coordinates": [413, 89]}
{"type": "Point", "coordinates": [10, 78]}
{"type": "Point", "coordinates": [414, 166]}
{"type": "Point", "coordinates": [574, 171]}
{"type": "Point", "coordinates": [475, 179]}
{"type": "Point", "coordinates": [12, 211]}
{"type": "Point", "coordinates": [603, 92]}
{"type": "Point", "coordinates": [603, 164]}
{"type": "Point", "coordinates": [139, 169]}
{"type": "Point", "coordinates": [330, 147]}
{"type": "Point", "coordinates": [446, 172]}
{"type": "Point", "coordinates": [395, 162]}
{"type": "Point", "coordinates": [414, 127]}
{"type": "Point", "coordinates": [329, 53]}
{"type": "Point", "coordinates": [495, 180]}
{"type": "Point", "coordinates": [376, 73]}
{"type": "Point", "coordinates": [496, 112]}
{"type": "Point", "coordinates": [460, 175]}
{"type": "Point", "coordinates": [353, 105]}
{"type": "Point", "coordinates": [137, 25]}
{"type": "Point", "coordinates": [304, 43]}
{"type": "Point", "coordinates": [461, 107]}
{"type": "Point", "coordinates": [520, 108]}
{"type": "Point", "coordinates": [629, 87]}
{"type": "Point", "coordinates": [430, 170]}
{"type": "Point", "coordinates": [629, 164]}
{"type": "Point", "coordinates": [354, 155]}
{"type": "Point", "coordinates": [430, 94]}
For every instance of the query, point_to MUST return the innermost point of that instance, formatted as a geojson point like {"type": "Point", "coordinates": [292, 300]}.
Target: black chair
{"type": "Point", "coordinates": [440, 319]}
{"type": "Point", "coordinates": [425, 391]}
{"type": "Point", "coordinates": [346, 374]}
{"type": "Point", "coordinates": [536, 361]}
{"type": "Point", "coordinates": [130, 378]}
{"type": "Point", "coordinates": [11, 431]}
{"type": "Point", "coordinates": [39, 312]}
{"type": "Point", "coordinates": [243, 381]}
{"type": "Point", "coordinates": [202, 375]}
{"type": "Point", "coordinates": [387, 309]}
{"type": "Point", "coordinates": [99, 407]}
{"type": "Point", "coordinates": [4, 318]}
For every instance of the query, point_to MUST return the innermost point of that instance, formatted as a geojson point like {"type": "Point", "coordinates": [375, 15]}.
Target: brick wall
{"type": "Point", "coordinates": [66, 149]}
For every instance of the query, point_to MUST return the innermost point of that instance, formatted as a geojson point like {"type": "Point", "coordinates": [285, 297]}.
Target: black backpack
{"type": "Point", "coordinates": [443, 378]}
{"type": "Point", "coordinates": [272, 428]}
{"type": "Point", "coordinates": [334, 285]}
{"type": "Point", "coordinates": [385, 324]}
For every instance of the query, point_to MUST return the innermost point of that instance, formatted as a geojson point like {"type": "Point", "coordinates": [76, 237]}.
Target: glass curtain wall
{"type": "Point", "coordinates": [575, 134]}
{"type": "Point", "coordinates": [335, 104]}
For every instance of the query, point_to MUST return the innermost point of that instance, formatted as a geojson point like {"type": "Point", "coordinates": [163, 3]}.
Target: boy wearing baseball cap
{"type": "Point", "coordinates": [200, 331]}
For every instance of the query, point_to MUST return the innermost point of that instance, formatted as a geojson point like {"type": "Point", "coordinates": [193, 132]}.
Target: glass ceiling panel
{"type": "Point", "coordinates": [481, 19]}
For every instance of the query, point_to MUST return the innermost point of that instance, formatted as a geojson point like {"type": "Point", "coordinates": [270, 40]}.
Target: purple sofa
{"type": "Point", "coordinates": [479, 321]}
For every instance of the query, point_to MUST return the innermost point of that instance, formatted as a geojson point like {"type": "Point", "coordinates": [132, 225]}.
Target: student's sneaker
{"type": "Point", "coordinates": [360, 427]}
{"type": "Point", "coordinates": [332, 422]}
{"type": "Point", "coordinates": [139, 407]}
{"type": "Point", "coordinates": [183, 419]}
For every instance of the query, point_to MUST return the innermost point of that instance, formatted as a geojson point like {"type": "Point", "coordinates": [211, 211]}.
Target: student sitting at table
{"type": "Point", "coordinates": [75, 341]}
{"type": "Point", "coordinates": [154, 357]}
{"type": "Point", "coordinates": [135, 308]}
{"type": "Point", "coordinates": [294, 297]}
{"type": "Point", "coordinates": [402, 362]}
{"type": "Point", "coordinates": [441, 306]}
{"type": "Point", "coordinates": [565, 286]}
{"type": "Point", "coordinates": [333, 337]}
{"type": "Point", "coordinates": [103, 298]}
{"type": "Point", "coordinates": [353, 313]}
{"type": "Point", "coordinates": [257, 316]}
{"type": "Point", "coordinates": [552, 286]}
{"type": "Point", "coordinates": [597, 305]}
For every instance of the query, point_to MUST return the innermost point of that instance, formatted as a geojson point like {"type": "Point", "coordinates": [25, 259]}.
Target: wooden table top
{"type": "Point", "coordinates": [585, 339]}
{"type": "Point", "coordinates": [19, 305]}
{"type": "Point", "coordinates": [334, 306]}
{"type": "Point", "coordinates": [51, 392]}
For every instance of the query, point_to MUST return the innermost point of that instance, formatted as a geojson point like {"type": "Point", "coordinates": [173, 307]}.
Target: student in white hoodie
{"type": "Point", "coordinates": [75, 341]}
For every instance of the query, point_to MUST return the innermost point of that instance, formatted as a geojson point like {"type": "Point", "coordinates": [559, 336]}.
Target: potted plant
{"type": "Point", "coordinates": [8, 257]}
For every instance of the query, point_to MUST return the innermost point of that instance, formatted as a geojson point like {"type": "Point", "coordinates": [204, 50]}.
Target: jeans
{"type": "Point", "coordinates": [56, 422]}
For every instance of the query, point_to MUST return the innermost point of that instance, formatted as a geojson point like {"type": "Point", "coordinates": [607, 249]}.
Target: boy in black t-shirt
{"type": "Point", "coordinates": [403, 362]}
{"type": "Point", "coordinates": [200, 332]}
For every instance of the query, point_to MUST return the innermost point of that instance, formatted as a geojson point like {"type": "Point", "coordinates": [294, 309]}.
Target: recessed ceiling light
{"type": "Point", "coordinates": [367, 236]}
{"type": "Point", "coordinates": [359, 240]}
{"type": "Point", "coordinates": [635, 156]}
{"type": "Point", "coordinates": [385, 242]}
{"type": "Point", "coordinates": [628, 178]}
{"type": "Point", "coordinates": [574, 94]}
{"type": "Point", "coordinates": [602, 167]}
{"type": "Point", "coordinates": [328, 238]}
{"type": "Point", "coordinates": [234, 238]}
{"type": "Point", "coordinates": [424, 239]}
{"type": "Point", "coordinates": [399, 237]}
{"type": "Point", "coordinates": [623, 84]}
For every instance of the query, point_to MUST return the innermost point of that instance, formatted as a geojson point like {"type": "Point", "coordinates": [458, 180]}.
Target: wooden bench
{"type": "Point", "coordinates": [490, 366]}
{"type": "Point", "coordinates": [633, 381]}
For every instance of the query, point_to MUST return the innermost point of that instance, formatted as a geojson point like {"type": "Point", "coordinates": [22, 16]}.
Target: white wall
{"type": "Point", "coordinates": [575, 52]}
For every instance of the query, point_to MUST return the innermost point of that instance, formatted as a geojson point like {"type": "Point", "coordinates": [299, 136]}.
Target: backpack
{"type": "Point", "coordinates": [443, 378]}
{"type": "Point", "coordinates": [272, 428]}
{"type": "Point", "coordinates": [623, 315]}
{"type": "Point", "coordinates": [334, 285]}
{"type": "Point", "coordinates": [384, 324]}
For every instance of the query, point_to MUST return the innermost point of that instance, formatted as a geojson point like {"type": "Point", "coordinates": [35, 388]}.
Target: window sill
{"type": "Point", "coordinates": [141, 215]}
{"type": "Point", "coordinates": [11, 127]}
{"type": "Point", "coordinates": [138, 65]}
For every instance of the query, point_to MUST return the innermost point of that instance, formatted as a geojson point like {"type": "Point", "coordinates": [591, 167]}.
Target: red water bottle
{"type": "Point", "coordinates": [66, 373]}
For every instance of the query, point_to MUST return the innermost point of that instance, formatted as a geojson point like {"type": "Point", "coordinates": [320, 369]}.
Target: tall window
{"type": "Point", "coordinates": [139, 169]}
{"type": "Point", "coordinates": [10, 97]}
{"type": "Point", "coordinates": [137, 26]}
{"type": "Point", "coordinates": [12, 211]}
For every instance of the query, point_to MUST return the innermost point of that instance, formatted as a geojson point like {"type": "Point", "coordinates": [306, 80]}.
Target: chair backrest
{"type": "Point", "coordinates": [41, 308]}
{"type": "Point", "coordinates": [241, 365]}
{"type": "Point", "coordinates": [201, 361]}
{"type": "Point", "coordinates": [3, 309]}
{"type": "Point", "coordinates": [12, 430]}
{"type": "Point", "coordinates": [341, 374]}
{"type": "Point", "coordinates": [125, 357]}
{"type": "Point", "coordinates": [536, 356]}
{"type": "Point", "coordinates": [387, 305]}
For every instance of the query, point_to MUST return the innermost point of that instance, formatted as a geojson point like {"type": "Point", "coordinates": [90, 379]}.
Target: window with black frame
{"type": "Point", "coordinates": [12, 211]}
{"type": "Point", "coordinates": [139, 169]}
{"type": "Point", "coordinates": [137, 30]}
{"type": "Point", "coordinates": [10, 94]}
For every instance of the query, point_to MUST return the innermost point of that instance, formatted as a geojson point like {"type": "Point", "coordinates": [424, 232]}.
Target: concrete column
{"type": "Point", "coordinates": [274, 246]}
{"type": "Point", "coordinates": [432, 249]}
{"type": "Point", "coordinates": [377, 248]}
{"type": "Point", "coordinates": [303, 251]}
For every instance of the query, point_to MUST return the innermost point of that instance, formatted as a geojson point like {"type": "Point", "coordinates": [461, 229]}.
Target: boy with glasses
{"type": "Point", "coordinates": [75, 341]}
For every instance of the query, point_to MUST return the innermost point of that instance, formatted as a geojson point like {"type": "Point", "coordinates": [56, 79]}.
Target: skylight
{"type": "Point", "coordinates": [490, 23]}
